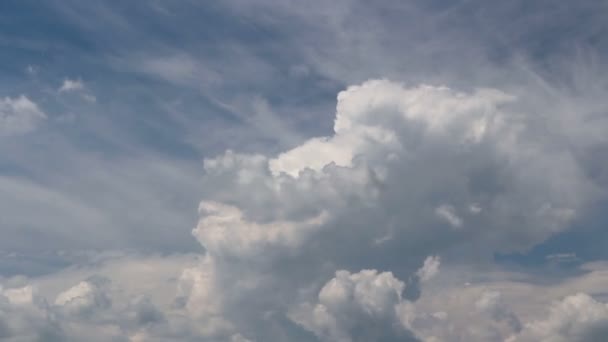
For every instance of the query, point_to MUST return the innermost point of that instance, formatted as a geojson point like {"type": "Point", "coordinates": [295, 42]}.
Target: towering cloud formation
{"type": "Point", "coordinates": [336, 239]}
{"type": "Point", "coordinates": [408, 172]}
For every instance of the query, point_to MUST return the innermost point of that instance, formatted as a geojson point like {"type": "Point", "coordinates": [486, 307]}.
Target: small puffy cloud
{"type": "Point", "coordinates": [19, 115]}
{"type": "Point", "coordinates": [77, 86]}
{"type": "Point", "coordinates": [69, 85]}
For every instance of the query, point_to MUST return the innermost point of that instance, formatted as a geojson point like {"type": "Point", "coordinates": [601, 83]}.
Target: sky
{"type": "Point", "coordinates": [317, 171]}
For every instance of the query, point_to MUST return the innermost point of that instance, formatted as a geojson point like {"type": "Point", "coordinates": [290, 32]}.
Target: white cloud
{"type": "Point", "coordinates": [24, 316]}
{"type": "Point", "coordinates": [77, 86]}
{"type": "Point", "coordinates": [224, 232]}
{"type": "Point", "coordinates": [577, 318]}
{"type": "Point", "coordinates": [280, 231]}
{"type": "Point", "coordinates": [19, 115]}
{"type": "Point", "coordinates": [405, 166]}
{"type": "Point", "coordinates": [84, 297]}
{"type": "Point", "coordinates": [397, 155]}
{"type": "Point", "coordinates": [92, 309]}
{"type": "Point", "coordinates": [394, 144]}
{"type": "Point", "coordinates": [363, 306]}
{"type": "Point", "coordinates": [20, 296]}
{"type": "Point", "coordinates": [69, 85]}
{"type": "Point", "coordinates": [429, 269]}
{"type": "Point", "coordinates": [447, 213]}
{"type": "Point", "coordinates": [497, 305]}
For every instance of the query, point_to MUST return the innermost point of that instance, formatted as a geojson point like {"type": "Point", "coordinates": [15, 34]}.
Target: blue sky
{"type": "Point", "coordinates": [238, 146]}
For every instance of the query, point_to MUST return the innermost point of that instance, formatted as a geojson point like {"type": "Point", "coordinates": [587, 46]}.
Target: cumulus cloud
{"type": "Point", "coordinates": [19, 115]}
{"type": "Point", "coordinates": [459, 313]}
{"type": "Point", "coordinates": [224, 230]}
{"type": "Point", "coordinates": [335, 237]}
{"type": "Point", "coordinates": [464, 304]}
{"type": "Point", "coordinates": [484, 315]}
{"type": "Point", "coordinates": [364, 306]}
{"type": "Point", "coordinates": [577, 318]}
{"type": "Point", "coordinates": [25, 316]}
{"type": "Point", "coordinates": [397, 156]}
{"type": "Point", "coordinates": [82, 312]}
{"type": "Point", "coordinates": [290, 240]}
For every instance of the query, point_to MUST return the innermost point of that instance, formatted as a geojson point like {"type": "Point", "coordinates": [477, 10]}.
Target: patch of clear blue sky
{"type": "Point", "coordinates": [100, 44]}
{"type": "Point", "coordinates": [585, 241]}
